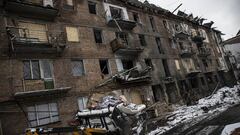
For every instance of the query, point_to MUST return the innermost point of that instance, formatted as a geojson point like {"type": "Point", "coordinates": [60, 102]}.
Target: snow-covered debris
{"type": "Point", "coordinates": [218, 102]}
{"type": "Point", "coordinates": [229, 129]}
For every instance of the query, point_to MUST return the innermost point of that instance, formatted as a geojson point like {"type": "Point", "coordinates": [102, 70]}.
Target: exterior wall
{"type": "Point", "coordinates": [11, 65]}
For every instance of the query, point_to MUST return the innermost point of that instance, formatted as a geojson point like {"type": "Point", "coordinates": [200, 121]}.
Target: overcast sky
{"type": "Point", "coordinates": [225, 13]}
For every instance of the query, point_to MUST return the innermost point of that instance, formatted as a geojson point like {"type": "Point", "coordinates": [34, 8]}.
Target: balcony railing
{"type": "Point", "coordinates": [187, 52]}
{"type": "Point", "coordinates": [24, 40]}
{"type": "Point", "coordinates": [122, 23]}
{"type": "Point", "coordinates": [204, 51]}
{"type": "Point", "coordinates": [40, 9]}
{"type": "Point", "coordinates": [120, 46]}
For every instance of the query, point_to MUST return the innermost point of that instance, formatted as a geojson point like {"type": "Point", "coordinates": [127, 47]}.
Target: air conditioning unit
{"type": "Point", "coordinates": [48, 3]}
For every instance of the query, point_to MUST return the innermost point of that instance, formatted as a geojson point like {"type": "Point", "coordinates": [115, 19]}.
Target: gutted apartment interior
{"type": "Point", "coordinates": [54, 54]}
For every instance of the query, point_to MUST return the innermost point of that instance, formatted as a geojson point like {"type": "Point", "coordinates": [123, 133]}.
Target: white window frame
{"type": "Point", "coordinates": [83, 100]}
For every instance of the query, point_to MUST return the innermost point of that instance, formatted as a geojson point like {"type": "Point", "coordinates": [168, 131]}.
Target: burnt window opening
{"type": "Point", "coordinates": [116, 13]}
{"type": "Point", "coordinates": [142, 40]}
{"type": "Point", "coordinates": [166, 68]}
{"type": "Point", "coordinates": [152, 23]}
{"type": "Point", "coordinates": [92, 7]}
{"type": "Point", "coordinates": [123, 36]}
{"type": "Point", "coordinates": [104, 66]}
{"type": "Point", "coordinates": [157, 92]}
{"type": "Point", "coordinates": [159, 45]}
{"type": "Point", "coordinates": [194, 82]}
{"type": "Point", "coordinates": [98, 35]}
{"type": "Point", "coordinates": [205, 62]}
{"type": "Point", "coordinates": [127, 64]}
{"type": "Point", "coordinates": [148, 62]}
{"type": "Point", "coordinates": [31, 70]}
{"type": "Point", "coordinates": [203, 81]}
{"type": "Point", "coordinates": [136, 17]}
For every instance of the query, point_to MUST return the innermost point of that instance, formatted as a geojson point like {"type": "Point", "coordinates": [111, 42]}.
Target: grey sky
{"type": "Point", "coordinates": [225, 13]}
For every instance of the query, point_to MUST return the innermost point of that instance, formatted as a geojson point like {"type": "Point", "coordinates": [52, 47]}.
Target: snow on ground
{"type": "Point", "coordinates": [220, 101]}
{"type": "Point", "coordinates": [230, 128]}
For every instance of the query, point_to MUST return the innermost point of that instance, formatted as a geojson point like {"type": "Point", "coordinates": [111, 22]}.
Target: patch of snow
{"type": "Point", "coordinates": [230, 128]}
{"type": "Point", "coordinates": [218, 102]}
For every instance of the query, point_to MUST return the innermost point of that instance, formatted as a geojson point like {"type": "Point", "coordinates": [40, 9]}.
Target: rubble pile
{"type": "Point", "coordinates": [218, 102]}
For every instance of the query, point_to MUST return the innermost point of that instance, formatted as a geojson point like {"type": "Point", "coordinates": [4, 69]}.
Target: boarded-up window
{"type": "Point", "coordinates": [77, 68]}
{"type": "Point", "coordinates": [32, 30]}
{"type": "Point", "coordinates": [72, 34]}
{"type": "Point", "coordinates": [42, 114]}
{"type": "Point", "coordinates": [82, 103]}
{"type": "Point", "coordinates": [177, 64]}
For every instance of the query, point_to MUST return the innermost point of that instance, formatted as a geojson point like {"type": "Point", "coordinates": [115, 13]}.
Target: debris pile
{"type": "Point", "coordinates": [218, 102]}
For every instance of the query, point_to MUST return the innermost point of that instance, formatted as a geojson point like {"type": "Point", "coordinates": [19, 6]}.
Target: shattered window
{"type": "Point", "coordinates": [42, 114]}
{"type": "Point", "coordinates": [159, 45]}
{"type": "Point", "coordinates": [104, 66]}
{"type": "Point", "coordinates": [142, 40]}
{"type": "Point", "coordinates": [116, 13]}
{"type": "Point", "coordinates": [31, 69]}
{"type": "Point", "coordinates": [77, 68]}
{"type": "Point", "coordinates": [127, 64]}
{"type": "Point", "coordinates": [97, 35]}
{"type": "Point", "coordinates": [136, 17]}
{"type": "Point", "coordinates": [92, 7]}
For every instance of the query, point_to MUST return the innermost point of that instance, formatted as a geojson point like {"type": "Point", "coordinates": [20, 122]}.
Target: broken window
{"type": "Point", "coordinates": [166, 68]}
{"type": "Point", "coordinates": [116, 13]}
{"type": "Point", "coordinates": [152, 23]}
{"type": "Point", "coordinates": [104, 66]}
{"type": "Point", "coordinates": [148, 62]}
{"type": "Point", "coordinates": [82, 103]}
{"type": "Point", "coordinates": [68, 4]}
{"type": "Point", "coordinates": [92, 7]}
{"type": "Point", "coordinates": [142, 40]}
{"type": "Point", "coordinates": [78, 68]}
{"type": "Point", "coordinates": [72, 34]}
{"type": "Point", "coordinates": [97, 35]}
{"type": "Point", "coordinates": [136, 17]}
{"type": "Point", "coordinates": [159, 45]}
{"type": "Point", "coordinates": [123, 36]}
{"type": "Point", "coordinates": [127, 64]}
{"type": "Point", "coordinates": [157, 92]}
{"type": "Point", "coordinates": [31, 69]}
{"type": "Point", "coordinates": [42, 114]}
{"type": "Point", "coordinates": [194, 82]}
{"type": "Point", "coordinates": [203, 81]}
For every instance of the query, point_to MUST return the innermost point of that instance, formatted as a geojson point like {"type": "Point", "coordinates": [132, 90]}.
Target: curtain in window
{"type": "Point", "coordinates": [82, 103]}
{"type": "Point", "coordinates": [26, 70]}
{"type": "Point", "coordinates": [46, 67]}
{"type": "Point", "coordinates": [35, 69]}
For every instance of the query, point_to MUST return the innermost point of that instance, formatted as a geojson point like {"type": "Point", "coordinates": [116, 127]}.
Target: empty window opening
{"type": "Point", "coordinates": [142, 40]}
{"type": "Point", "coordinates": [77, 68]}
{"type": "Point", "coordinates": [205, 62]}
{"type": "Point", "coordinates": [136, 17]}
{"type": "Point", "coordinates": [194, 82]}
{"type": "Point", "coordinates": [92, 7]}
{"type": "Point", "coordinates": [157, 93]}
{"type": "Point", "coordinates": [127, 64]}
{"type": "Point", "coordinates": [116, 13]}
{"type": "Point", "coordinates": [181, 45]}
{"type": "Point", "coordinates": [166, 68]}
{"type": "Point", "coordinates": [123, 36]}
{"type": "Point", "coordinates": [42, 114]}
{"type": "Point", "coordinates": [97, 35]}
{"type": "Point", "coordinates": [104, 66]}
{"type": "Point", "coordinates": [152, 23]}
{"type": "Point", "coordinates": [31, 70]}
{"type": "Point", "coordinates": [159, 45]}
{"type": "Point", "coordinates": [148, 62]}
{"type": "Point", "coordinates": [203, 81]}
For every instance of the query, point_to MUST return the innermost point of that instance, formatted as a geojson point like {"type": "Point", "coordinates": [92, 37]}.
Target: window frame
{"type": "Point", "coordinates": [31, 70]}
{"type": "Point", "coordinates": [108, 66]}
{"type": "Point", "coordinates": [91, 3]}
{"type": "Point", "coordinates": [159, 45]}
{"type": "Point", "coordinates": [83, 66]}
{"type": "Point", "coordinates": [101, 35]}
{"type": "Point", "coordinates": [142, 39]}
{"type": "Point", "coordinates": [138, 17]}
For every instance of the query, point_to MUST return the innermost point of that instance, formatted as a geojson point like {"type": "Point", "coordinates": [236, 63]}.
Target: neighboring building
{"type": "Point", "coordinates": [53, 54]}
{"type": "Point", "coordinates": [232, 51]}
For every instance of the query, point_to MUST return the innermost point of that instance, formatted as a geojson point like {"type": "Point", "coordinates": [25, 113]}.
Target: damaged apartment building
{"type": "Point", "coordinates": [55, 53]}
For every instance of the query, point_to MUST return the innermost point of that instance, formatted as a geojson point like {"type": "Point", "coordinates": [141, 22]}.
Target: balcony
{"type": "Point", "coordinates": [204, 51]}
{"type": "Point", "coordinates": [122, 23]}
{"type": "Point", "coordinates": [187, 52]}
{"type": "Point", "coordinates": [28, 41]}
{"type": "Point", "coordinates": [121, 47]}
{"type": "Point", "coordinates": [39, 9]}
